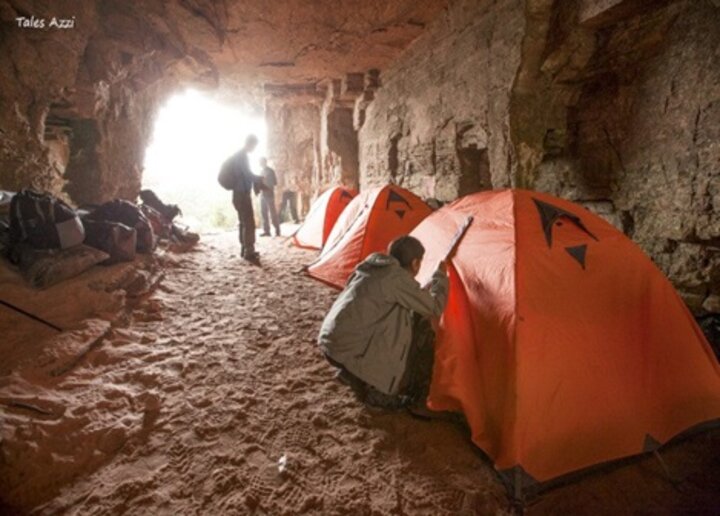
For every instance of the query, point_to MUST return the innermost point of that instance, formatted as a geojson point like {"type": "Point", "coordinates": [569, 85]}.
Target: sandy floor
{"type": "Point", "coordinates": [211, 398]}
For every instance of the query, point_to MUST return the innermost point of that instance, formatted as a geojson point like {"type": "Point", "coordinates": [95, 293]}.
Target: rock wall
{"type": "Point", "coordinates": [643, 140]}
{"type": "Point", "coordinates": [77, 99]}
{"type": "Point", "coordinates": [613, 104]}
{"type": "Point", "coordinates": [37, 75]}
{"type": "Point", "coordinates": [294, 147]}
{"type": "Point", "coordinates": [77, 104]}
{"type": "Point", "coordinates": [438, 122]}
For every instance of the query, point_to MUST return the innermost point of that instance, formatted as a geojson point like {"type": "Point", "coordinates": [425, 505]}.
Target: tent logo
{"type": "Point", "coordinates": [578, 252]}
{"type": "Point", "coordinates": [549, 215]}
{"type": "Point", "coordinates": [395, 197]}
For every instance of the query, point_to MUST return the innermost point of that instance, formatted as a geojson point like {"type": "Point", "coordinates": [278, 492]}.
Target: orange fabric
{"type": "Point", "coordinates": [321, 218]}
{"type": "Point", "coordinates": [369, 223]}
{"type": "Point", "coordinates": [559, 367]}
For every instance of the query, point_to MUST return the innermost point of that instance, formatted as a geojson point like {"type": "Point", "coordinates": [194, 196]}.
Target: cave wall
{"type": "Point", "coordinates": [294, 147]}
{"type": "Point", "coordinates": [613, 104]}
{"type": "Point", "coordinates": [312, 134]}
{"type": "Point", "coordinates": [77, 104]}
{"type": "Point", "coordinates": [76, 108]}
{"type": "Point", "coordinates": [643, 146]}
{"type": "Point", "coordinates": [37, 73]}
{"type": "Point", "coordinates": [438, 122]}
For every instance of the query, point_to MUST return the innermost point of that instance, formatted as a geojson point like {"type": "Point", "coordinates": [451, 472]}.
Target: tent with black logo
{"type": "Point", "coordinates": [562, 344]}
{"type": "Point", "coordinates": [367, 225]}
{"type": "Point", "coordinates": [323, 214]}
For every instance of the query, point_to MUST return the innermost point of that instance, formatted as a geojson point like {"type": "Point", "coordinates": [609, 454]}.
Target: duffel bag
{"type": "Point", "coordinates": [44, 221]}
{"type": "Point", "coordinates": [130, 215]}
{"type": "Point", "coordinates": [117, 240]}
{"type": "Point", "coordinates": [161, 226]}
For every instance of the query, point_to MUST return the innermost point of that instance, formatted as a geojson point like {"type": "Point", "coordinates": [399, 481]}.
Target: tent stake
{"type": "Point", "coordinates": [666, 470]}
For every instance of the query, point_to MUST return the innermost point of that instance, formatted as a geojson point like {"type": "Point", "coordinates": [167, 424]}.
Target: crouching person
{"type": "Point", "coordinates": [378, 332]}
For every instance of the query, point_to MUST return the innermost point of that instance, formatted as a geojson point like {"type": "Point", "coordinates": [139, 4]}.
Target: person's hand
{"type": "Point", "coordinates": [442, 266]}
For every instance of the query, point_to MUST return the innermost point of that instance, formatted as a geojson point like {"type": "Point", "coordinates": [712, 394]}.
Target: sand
{"type": "Point", "coordinates": [208, 396]}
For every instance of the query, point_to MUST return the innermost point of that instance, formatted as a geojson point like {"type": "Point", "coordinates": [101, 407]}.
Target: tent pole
{"type": "Point", "coordinates": [517, 484]}
{"type": "Point", "coordinates": [29, 315]}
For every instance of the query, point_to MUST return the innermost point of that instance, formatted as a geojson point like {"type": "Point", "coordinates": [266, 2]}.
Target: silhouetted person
{"type": "Point", "coordinates": [289, 202]}
{"type": "Point", "coordinates": [267, 200]}
{"type": "Point", "coordinates": [245, 183]}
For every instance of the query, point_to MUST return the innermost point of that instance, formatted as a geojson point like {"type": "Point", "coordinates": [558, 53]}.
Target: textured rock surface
{"type": "Point", "coordinates": [613, 104]}
{"type": "Point", "coordinates": [437, 123]}
{"type": "Point", "coordinates": [294, 143]}
{"type": "Point", "coordinates": [644, 138]}
{"type": "Point", "coordinates": [76, 105]}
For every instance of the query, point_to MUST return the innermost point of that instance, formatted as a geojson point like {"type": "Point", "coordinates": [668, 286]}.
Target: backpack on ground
{"type": "Point", "coordinates": [117, 240]}
{"type": "Point", "coordinates": [130, 215]}
{"type": "Point", "coordinates": [162, 227]}
{"type": "Point", "coordinates": [169, 211]}
{"type": "Point", "coordinates": [226, 178]}
{"type": "Point", "coordinates": [44, 221]}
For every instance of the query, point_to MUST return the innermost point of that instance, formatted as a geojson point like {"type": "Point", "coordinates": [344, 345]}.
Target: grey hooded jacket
{"type": "Point", "coordinates": [369, 327]}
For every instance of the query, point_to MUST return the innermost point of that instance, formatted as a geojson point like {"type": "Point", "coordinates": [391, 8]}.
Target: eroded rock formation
{"type": "Point", "coordinates": [611, 104]}
{"type": "Point", "coordinates": [77, 103]}
{"type": "Point", "coordinates": [614, 104]}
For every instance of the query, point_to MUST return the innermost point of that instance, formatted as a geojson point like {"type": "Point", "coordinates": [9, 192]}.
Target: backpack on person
{"type": "Point", "coordinates": [44, 221]}
{"type": "Point", "coordinates": [226, 177]}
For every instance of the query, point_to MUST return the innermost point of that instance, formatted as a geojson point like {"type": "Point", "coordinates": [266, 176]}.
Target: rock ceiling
{"type": "Point", "coordinates": [288, 45]}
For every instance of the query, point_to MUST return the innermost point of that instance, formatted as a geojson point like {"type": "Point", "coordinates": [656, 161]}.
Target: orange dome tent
{"type": "Point", "coordinates": [562, 343]}
{"type": "Point", "coordinates": [323, 214]}
{"type": "Point", "coordinates": [370, 222]}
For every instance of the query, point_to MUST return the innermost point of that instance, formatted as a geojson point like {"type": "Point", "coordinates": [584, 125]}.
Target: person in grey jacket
{"type": "Point", "coordinates": [377, 331]}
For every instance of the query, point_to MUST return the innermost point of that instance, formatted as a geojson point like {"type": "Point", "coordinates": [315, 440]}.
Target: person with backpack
{"type": "Point", "coordinates": [236, 175]}
{"type": "Point", "coordinates": [378, 333]}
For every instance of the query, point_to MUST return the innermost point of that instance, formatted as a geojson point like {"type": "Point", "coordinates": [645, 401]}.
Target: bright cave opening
{"type": "Point", "coordinates": [193, 135]}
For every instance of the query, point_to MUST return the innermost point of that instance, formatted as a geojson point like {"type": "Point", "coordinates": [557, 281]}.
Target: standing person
{"type": "Point", "coordinates": [378, 332]}
{"type": "Point", "coordinates": [267, 200]}
{"type": "Point", "coordinates": [289, 201]}
{"type": "Point", "coordinates": [244, 183]}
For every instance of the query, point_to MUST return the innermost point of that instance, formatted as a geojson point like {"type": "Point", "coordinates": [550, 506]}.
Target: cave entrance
{"type": "Point", "coordinates": [193, 135]}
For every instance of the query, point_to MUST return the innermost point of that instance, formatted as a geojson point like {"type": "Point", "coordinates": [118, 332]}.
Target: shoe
{"type": "Point", "coordinates": [277, 232]}
{"type": "Point", "coordinates": [420, 411]}
{"type": "Point", "coordinates": [344, 377]}
{"type": "Point", "coordinates": [253, 258]}
{"type": "Point", "coordinates": [375, 398]}
{"type": "Point", "coordinates": [264, 234]}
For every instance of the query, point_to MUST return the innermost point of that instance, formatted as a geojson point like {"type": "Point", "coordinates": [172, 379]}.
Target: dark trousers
{"type": "Point", "coordinates": [268, 211]}
{"type": "Point", "coordinates": [415, 383]}
{"type": "Point", "coordinates": [289, 201]}
{"type": "Point", "coordinates": [246, 217]}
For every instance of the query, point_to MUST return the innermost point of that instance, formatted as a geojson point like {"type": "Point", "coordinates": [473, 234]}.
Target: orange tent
{"type": "Point", "coordinates": [562, 343]}
{"type": "Point", "coordinates": [322, 217]}
{"type": "Point", "coordinates": [370, 222]}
